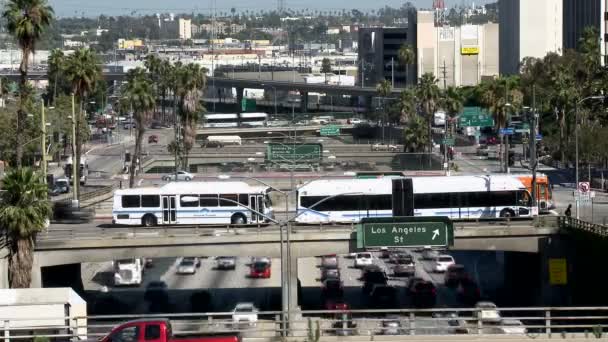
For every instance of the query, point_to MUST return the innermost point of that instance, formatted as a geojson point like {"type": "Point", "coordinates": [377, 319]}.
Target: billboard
{"type": "Point", "coordinates": [469, 50]}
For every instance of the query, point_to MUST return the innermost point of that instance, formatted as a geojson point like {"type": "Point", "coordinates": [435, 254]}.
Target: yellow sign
{"type": "Point", "coordinates": [558, 271]}
{"type": "Point", "coordinates": [469, 50]}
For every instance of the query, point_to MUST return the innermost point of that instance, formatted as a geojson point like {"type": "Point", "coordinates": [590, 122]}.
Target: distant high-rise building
{"type": "Point", "coordinates": [185, 28]}
{"type": "Point", "coordinates": [581, 14]}
{"type": "Point", "coordinates": [379, 54]}
{"type": "Point", "coordinates": [528, 29]}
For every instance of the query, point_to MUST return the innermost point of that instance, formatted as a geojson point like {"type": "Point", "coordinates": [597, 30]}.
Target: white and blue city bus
{"type": "Point", "coordinates": [195, 203]}
{"type": "Point", "coordinates": [221, 120]}
{"type": "Point", "coordinates": [457, 197]}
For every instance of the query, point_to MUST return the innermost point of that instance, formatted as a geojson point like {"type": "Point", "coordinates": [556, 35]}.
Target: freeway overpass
{"type": "Point", "coordinates": [238, 83]}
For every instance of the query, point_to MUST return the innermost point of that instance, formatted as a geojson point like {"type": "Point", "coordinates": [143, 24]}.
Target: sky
{"type": "Point", "coordinates": [70, 8]}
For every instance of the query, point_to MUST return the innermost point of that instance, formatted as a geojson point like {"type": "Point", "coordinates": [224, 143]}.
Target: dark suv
{"type": "Point", "coordinates": [423, 293]}
{"type": "Point", "coordinates": [455, 274]}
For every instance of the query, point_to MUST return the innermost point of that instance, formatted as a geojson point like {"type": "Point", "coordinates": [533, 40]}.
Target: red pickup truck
{"type": "Point", "coordinates": [159, 330]}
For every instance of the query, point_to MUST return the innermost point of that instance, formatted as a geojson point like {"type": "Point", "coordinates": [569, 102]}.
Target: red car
{"type": "Point", "coordinates": [260, 270]}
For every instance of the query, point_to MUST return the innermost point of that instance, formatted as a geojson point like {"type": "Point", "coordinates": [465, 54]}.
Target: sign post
{"type": "Point", "coordinates": [405, 232]}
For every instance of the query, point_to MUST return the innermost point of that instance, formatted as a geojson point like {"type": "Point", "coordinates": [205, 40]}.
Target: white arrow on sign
{"type": "Point", "coordinates": [435, 234]}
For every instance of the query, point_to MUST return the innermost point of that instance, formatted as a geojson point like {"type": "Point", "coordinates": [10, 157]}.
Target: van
{"type": "Point", "coordinates": [222, 140]}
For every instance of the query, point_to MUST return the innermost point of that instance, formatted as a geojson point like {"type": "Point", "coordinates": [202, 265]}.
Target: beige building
{"type": "Point", "coordinates": [185, 28]}
{"type": "Point", "coordinates": [457, 56]}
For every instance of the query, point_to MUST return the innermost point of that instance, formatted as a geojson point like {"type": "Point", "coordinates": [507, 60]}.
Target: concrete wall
{"type": "Point", "coordinates": [426, 38]}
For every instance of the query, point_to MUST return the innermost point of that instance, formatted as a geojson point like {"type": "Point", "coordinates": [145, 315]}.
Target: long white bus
{"type": "Point", "coordinates": [192, 203]}
{"type": "Point", "coordinates": [457, 197]}
{"type": "Point", "coordinates": [253, 119]}
{"type": "Point", "coordinates": [221, 120]}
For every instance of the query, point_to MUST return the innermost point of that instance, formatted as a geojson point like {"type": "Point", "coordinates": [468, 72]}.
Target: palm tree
{"type": "Point", "coordinates": [83, 72]}
{"type": "Point", "coordinates": [407, 57]}
{"type": "Point", "coordinates": [5, 88]}
{"type": "Point", "coordinates": [164, 84]}
{"type": "Point", "coordinates": [427, 93]}
{"type": "Point", "coordinates": [452, 101]}
{"type": "Point", "coordinates": [24, 213]}
{"type": "Point", "coordinates": [415, 135]}
{"type": "Point", "coordinates": [56, 65]}
{"type": "Point", "coordinates": [26, 21]}
{"type": "Point", "coordinates": [154, 64]}
{"type": "Point", "coordinates": [192, 81]}
{"type": "Point", "coordinates": [139, 93]}
{"type": "Point", "coordinates": [406, 105]}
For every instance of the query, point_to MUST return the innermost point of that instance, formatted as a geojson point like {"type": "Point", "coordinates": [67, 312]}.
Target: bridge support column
{"type": "Point", "coordinates": [556, 259]}
{"type": "Point", "coordinates": [36, 275]}
{"type": "Point", "coordinates": [295, 316]}
{"type": "Point", "coordinates": [304, 102]}
{"type": "Point", "coordinates": [4, 268]}
{"type": "Point", "coordinates": [239, 99]}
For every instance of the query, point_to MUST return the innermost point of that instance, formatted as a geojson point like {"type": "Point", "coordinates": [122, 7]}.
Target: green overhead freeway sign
{"type": "Point", "coordinates": [405, 232]}
{"type": "Point", "coordinates": [330, 130]}
{"type": "Point", "coordinates": [296, 153]}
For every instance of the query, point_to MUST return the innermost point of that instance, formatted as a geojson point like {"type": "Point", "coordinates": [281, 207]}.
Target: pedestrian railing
{"type": "Point", "coordinates": [570, 223]}
{"type": "Point", "coordinates": [553, 322]}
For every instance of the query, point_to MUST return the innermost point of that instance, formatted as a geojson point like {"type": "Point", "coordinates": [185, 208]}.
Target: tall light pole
{"type": "Point", "coordinates": [43, 141]}
{"type": "Point", "coordinates": [576, 129]}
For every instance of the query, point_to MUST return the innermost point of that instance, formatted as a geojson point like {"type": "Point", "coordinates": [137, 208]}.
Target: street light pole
{"type": "Point", "coordinates": [43, 141]}
{"type": "Point", "coordinates": [74, 157]}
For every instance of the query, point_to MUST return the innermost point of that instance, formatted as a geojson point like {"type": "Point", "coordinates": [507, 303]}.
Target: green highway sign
{"type": "Point", "coordinates": [330, 131]}
{"type": "Point", "coordinates": [248, 105]}
{"type": "Point", "coordinates": [473, 121]}
{"type": "Point", "coordinates": [448, 141]}
{"type": "Point", "coordinates": [405, 232]}
{"type": "Point", "coordinates": [296, 153]}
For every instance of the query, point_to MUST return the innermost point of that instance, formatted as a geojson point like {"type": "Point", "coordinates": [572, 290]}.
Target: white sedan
{"type": "Point", "coordinates": [245, 313]}
{"type": "Point", "coordinates": [442, 262]}
{"type": "Point", "coordinates": [363, 259]}
{"type": "Point", "coordinates": [181, 176]}
{"type": "Point", "coordinates": [186, 266]}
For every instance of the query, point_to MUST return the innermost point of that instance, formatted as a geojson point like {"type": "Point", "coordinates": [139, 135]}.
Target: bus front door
{"type": "Point", "coordinates": [168, 207]}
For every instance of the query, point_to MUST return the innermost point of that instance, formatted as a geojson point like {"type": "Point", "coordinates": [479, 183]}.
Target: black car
{"type": "Point", "coordinates": [330, 273]}
{"type": "Point", "coordinates": [383, 297]}
{"type": "Point", "coordinates": [64, 212]}
{"type": "Point", "coordinates": [373, 275]}
{"type": "Point", "coordinates": [468, 291]}
{"type": "Point", "coordinates": [422, 292]}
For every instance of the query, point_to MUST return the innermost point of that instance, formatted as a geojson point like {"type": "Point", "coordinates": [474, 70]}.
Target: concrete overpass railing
{"type": "Point", "coordinates": [569, 223]}
{"type": "Point", "coordinates": [512, 324]}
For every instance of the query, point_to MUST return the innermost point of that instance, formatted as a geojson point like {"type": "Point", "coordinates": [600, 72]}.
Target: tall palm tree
{"type": "Point", "coordinates": [427, 93]}
{"type": "Point", "coordinates": [26, 21]}
{"type": "Point", "coordinates": [82, 72]}
{"type": "Point", "coordinates": [192, 81]}
{"type": "Point", "coordinates": [153, 63]}
{"type": "Point", "coordinates": [56, 65]}
{"type": "Point", "coordinates": [407, 57]}
{"type": "Point", "coordinates": [5, 88]}
{"type": "Point", "coordinates": [164, 84]}
{"type": "Point", "coordinates": [406, 105]}
{"type": "Point", "coordinates": [415, 135]}
{"type": "Point", "coordinates": [24, 212]}
{"type": "Point", "coordinates": [452, 101]}
{"type": "Point", "coordinates": [139, 93]}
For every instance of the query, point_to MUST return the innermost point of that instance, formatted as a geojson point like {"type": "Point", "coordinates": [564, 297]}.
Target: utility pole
{"type": "Point", "coordinates": [532, 142]}
{"type": "Point", "coordinates": [43, 142]}
{"type": "Point", "coordinates": [392, 72]}
{"type": "Point", "coordinates": [74, 157]}
{"type": "Point", "coordinates": [444, 73]}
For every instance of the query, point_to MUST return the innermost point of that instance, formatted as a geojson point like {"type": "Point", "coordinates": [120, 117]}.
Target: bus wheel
{"type": "Point", "coordinates": [507, 213]}
{"type": "Point", "coordinates": [238, 219]}
{"type": "Point", "coordinates": [148, 220]}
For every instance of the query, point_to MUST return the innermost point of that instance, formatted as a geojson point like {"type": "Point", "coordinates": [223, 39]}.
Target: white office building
{"type": "Point", "coordinates": [529, 29]}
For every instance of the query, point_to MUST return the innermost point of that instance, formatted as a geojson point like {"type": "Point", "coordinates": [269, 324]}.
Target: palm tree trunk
{"type": "Point", "coordinates": [21, 115]}
{"type": "Point", "coordinates": [79, 143]}
{"type": "Point", "coordinates": [55, 88]}
{"type": "Point", "coordinates": [20, 262]}
{"type": "Point", "coordinates": [162, 105]}
{"type": "Point", "coordinates": [136, 154]}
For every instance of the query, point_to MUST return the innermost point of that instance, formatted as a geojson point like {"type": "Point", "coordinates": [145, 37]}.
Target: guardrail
{"type": "Point", "coordinates": [90, 195]}
{"type": "Point", "coordinates": [547, 322]}
{"type": "Point", "coordinates": [570, 223]}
